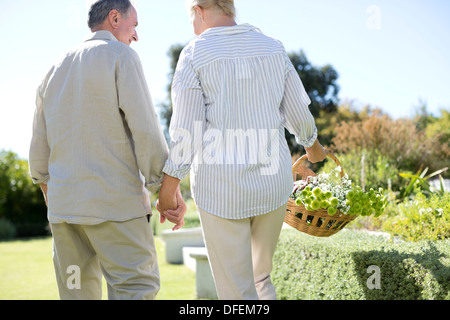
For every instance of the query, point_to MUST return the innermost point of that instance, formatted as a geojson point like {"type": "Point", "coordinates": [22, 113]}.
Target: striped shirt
{"type": "Point", "coordinates": [234, 91]}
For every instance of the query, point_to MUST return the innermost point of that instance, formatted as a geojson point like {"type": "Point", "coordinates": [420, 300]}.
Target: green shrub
{"type": "Point", "coordinates": [21, 201]}
{"type": "Point", "coordinates": [368, 169]}
{"type": "Point", "coordinates": [336, 268]}
{"type": "Point", "coordinates": [7, 230]}
{"type": "Point", "coordinates": [421, 218]}
{"type": "Point", "coordinates": [192, 218]}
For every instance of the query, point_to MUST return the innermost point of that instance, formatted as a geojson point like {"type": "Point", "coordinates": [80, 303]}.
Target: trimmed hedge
{"type": "Point", "coordinates": [337, 268]}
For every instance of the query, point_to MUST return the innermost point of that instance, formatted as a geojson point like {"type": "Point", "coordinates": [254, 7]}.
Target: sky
{"type": "Point", "coordinates": [390, 54]}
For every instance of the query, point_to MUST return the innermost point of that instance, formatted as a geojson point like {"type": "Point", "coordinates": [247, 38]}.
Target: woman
{"type": "Point", "coordinates": [234, 92]}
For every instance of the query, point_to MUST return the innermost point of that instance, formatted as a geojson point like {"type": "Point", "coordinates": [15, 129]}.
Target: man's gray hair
{"type": "Point", "coordinates": [100, 10]}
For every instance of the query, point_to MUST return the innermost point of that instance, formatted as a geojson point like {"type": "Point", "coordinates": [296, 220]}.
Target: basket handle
{"type": "Point", "coordinates": [305, 157]}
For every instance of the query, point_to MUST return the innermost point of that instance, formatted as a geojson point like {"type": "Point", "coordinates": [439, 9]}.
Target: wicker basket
{"type": "Point", "coordinates": [316, 223]}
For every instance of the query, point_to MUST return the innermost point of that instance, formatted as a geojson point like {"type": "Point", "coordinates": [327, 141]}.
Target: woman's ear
{"type": "Point", "coordinates": [200, 12]}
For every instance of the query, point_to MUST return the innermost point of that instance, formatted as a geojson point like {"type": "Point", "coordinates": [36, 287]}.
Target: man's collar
{"type": "Point", "coordinates": [102, 35]}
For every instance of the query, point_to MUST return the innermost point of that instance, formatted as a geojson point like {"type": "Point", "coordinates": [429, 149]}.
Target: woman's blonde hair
{"type": "Point", "coordinates": [226, 7]}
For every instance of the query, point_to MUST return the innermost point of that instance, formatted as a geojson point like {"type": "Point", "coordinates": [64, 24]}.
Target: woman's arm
{"type": "Point", "coordinates": [298, 118]}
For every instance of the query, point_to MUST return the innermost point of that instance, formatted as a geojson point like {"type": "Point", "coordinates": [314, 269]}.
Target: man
{"type": "Point", "coordinates": [97, 144]}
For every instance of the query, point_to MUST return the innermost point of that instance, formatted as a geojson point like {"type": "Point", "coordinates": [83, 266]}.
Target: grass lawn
{"type": "Point", "coordinates": [26, 273]}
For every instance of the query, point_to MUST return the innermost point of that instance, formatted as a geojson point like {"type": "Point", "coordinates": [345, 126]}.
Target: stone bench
{"type": "Point", "coordinates": [176, 240]}
{"type": "Point", "coordinates": [205, 286]}
{"type": "Point", "coordinates": [190, 262]}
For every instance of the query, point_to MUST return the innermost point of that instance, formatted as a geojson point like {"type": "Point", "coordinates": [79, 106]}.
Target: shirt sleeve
{"type": "Point", "coordinates": [149, 144]}
{"type": "Point", "coordinates": [39, 149]}
{"type": "Point", "coordinates": [189, 114]}
{"type": "Point", "coordinates": [295, 109]}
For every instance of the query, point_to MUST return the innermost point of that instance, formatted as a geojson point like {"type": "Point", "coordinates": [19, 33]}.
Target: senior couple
{"type": "Point", "coordinates": [98, 148]}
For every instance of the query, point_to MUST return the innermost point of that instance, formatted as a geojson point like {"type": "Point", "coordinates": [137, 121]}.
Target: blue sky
{"type": "Point", "coordinates": [389, 53]}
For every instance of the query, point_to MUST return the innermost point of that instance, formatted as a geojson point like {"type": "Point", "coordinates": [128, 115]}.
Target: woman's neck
{"type": "Point", "coordinates": [220, 21]}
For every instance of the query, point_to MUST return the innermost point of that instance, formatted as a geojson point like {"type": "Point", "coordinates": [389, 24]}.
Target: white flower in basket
{"type": "Point", "coordinates": [330, 192]}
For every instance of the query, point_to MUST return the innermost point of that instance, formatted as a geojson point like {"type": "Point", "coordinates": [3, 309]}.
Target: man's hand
{"type": "Point", "coordinates": [44, 191]}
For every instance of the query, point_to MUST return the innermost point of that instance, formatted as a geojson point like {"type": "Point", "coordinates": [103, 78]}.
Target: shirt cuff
{"type": "Point", "coordinates": [179, 173]}
{"type": "Point", "coordinates": [41, 180]}
{"type": "Point", "coordinates": [153, 187]}
{"type": "Point", "coordinates": [308, 142]}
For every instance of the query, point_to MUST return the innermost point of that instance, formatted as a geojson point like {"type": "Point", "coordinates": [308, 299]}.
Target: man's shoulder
{"type": "Point", "coordinates": [115, 48]}
{"type": "Point", "coordinates": [99, 52]}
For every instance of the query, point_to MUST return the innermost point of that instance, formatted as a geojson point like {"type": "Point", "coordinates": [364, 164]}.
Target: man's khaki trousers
{"type": "Point", "coordinates": [240, 254]}
{"type": "Point", "coordinates": [123, 251]}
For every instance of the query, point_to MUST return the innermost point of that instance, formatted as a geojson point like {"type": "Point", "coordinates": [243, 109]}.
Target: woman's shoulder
{"type": "Point", "coordinates": [187, 52]}
{"type": "Point", "coordinates": [249, 42]}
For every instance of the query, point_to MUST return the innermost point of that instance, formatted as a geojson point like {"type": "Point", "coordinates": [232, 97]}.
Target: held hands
{"type": "Point", "coordinates": [171, 205]}
{"type": "Point", "coordinates": [176, 216]}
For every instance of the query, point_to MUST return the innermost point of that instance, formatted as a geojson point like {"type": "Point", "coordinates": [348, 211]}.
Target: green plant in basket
{"type": "Point", "coordinates": [333, 193]}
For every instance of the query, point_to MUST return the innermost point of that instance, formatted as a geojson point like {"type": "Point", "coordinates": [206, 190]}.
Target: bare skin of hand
{"type": "Point", "coordinates": [316, 153]}
{"type": "Point", "coordinates": [44, 191]}
{"type": "Point", "coordinates": [175, 216]}
{"type": "Point", "coordinates": [171, 205]}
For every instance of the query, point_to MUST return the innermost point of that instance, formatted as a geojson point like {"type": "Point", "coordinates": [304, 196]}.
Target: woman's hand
{"type": "Point", "coordinates": [316, 153]}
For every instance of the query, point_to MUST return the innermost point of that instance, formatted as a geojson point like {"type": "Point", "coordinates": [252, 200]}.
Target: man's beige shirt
{"type": "Point", "coordinates": [97, 141]}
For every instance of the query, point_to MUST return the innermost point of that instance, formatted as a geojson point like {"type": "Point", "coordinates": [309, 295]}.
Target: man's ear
{"type": "Point", "coordinates": [114, 18]}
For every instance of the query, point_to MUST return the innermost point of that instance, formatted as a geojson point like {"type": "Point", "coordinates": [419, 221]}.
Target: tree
{"type": "Point", "coordinates": [320, 84]}
{"type": "Point", "coordinates": [166, 107]}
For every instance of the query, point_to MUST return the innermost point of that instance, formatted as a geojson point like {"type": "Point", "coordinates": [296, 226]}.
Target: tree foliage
{"type": "Point", "coordinates": [165, 107]}
{"type": "Point", "coordinates": [320, 83]}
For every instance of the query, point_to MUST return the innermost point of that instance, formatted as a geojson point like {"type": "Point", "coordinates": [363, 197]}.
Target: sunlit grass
{"type": "Point", "coordinates": [26, 270]}
{"type": "Point", "coordinates": [27, 273]}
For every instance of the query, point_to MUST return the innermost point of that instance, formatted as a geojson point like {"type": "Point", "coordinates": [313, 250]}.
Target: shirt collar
{"type": "Point", "coordinates": [237, 29]}
{"type": "Point", "coordinates": [102, 35]}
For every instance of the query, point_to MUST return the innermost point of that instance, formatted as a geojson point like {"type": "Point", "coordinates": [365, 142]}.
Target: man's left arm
{"type": "Point", "coordinates": [39, 149]}
{"type": "Point", "coordinates": [136, 103]}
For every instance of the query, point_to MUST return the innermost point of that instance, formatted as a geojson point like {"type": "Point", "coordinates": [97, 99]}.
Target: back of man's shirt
{"type": "Point", "coordinates": [103, 135]}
